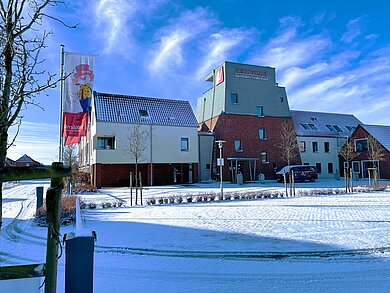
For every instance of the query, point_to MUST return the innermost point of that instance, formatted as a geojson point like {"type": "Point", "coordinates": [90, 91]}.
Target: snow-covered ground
{"type": "Point", "coordinates": [307, 243]}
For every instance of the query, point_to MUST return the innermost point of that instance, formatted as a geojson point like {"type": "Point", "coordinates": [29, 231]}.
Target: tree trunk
{"type": "Point", "coordinates": [136, 181]}
{"type": "Point", "coordinates": [3, 153]}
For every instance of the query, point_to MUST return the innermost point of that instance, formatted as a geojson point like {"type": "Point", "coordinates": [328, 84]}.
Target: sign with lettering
{"type": "Point", "coordinates": [251, 73]}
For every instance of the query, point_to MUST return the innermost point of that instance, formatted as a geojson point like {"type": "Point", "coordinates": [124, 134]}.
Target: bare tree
{"type": "Point", "coordinates": [138, 142]}
{"type": "Point", "coordinates": [289, 148]}
{"type": "Point", "coordinates": [20, 74]}
{"type": "Point", "coordinates": [376, 152]}
{"type": "Point", "coordinates": [70, 159]}
{"type": "Point", "coordinates": [348, 153]}
{"type": "Point", "coordinates": [288, 143]}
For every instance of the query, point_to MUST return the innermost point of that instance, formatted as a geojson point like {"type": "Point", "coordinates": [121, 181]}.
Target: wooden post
{"type": "Point", "coordinates": [140, 185]}
{"type": "Point", "coordinates": [285, 183]}
{"type": "Point", "coordinates": [293, 183]}
{"type": "Point", "coordinates": [346, 179]}
{"type": "Point", "coordinates": [131, 189]}
{"type": "Point", "coordinates": [53, 207]}
{"type": "Point", "coordinates": [351, 179]}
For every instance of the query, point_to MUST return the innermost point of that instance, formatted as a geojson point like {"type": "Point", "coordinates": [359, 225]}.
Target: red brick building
{"type": "Point", "coordinates": [362, 162]}
{"type": "Point", "coordinates": [246, 108]}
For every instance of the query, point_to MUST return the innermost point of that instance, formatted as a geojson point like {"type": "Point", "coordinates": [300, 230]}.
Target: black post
{"type": "Point", "coordinates": [79, 264]}
{"type": "Point", "coordinates": [39, 193]}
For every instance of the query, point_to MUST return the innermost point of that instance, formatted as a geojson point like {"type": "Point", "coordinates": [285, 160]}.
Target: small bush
{"type": "Point", "coordinates": [189, 199]}
{"type": "Point", "coordinates": [67, 214]}
{"type": "Point", "coordinates": [151, 201]}
{"type": "Point", "coordinates": [179, 199]}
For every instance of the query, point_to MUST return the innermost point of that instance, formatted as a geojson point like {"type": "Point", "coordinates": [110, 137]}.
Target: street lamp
{"type": "Point", "coordinates": [220, 163]}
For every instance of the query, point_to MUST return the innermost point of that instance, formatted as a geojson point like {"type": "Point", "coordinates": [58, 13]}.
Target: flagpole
{"type": "Point", "coordinates": [61, 146]}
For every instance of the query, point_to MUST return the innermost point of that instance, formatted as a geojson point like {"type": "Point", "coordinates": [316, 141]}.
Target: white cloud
{"type": "Point", "coordinates": [37, 140]}
{"type": "Point", "coordinates": [353, 30]}
{"type": "Point", "coordinates": [119, 21]}
{"type": "Point", "coordinates": [220, 45]}
{"type": "Point", "coordinates": [189, 26]}
{"type": "Point", "coordinates": [288, 49]}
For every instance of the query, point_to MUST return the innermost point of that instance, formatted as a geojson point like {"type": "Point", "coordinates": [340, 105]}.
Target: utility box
{"type": "Point", "coordinates": [39, 193]}
{"type": "Point", "coordinates": [261, 178]}
{"type": "Point", "coordinates": [79, 258]}
{"type": "Point", "coordinates": [240, 179]}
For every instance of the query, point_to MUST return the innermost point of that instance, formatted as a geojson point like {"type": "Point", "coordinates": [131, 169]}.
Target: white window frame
{"type": "Point", "coordinates": [302, 149]}
{"type": "Point", "coordinates": [262, 134]}
{"type": "Point", "coordinates": [187, 140]}
{"type": "Point", "coordinates": [238, 145]}
{"type": "Point", "coordinates": [360, 139]}
{"type": "Point", "coordinates": [105, 138]}
{"type": "Point", "coordinates": [264, 158]}
{"type": "Point", "coordinates": [353, 166]}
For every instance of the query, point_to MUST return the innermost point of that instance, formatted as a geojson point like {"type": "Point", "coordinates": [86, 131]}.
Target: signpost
{"type": "Point", "coordinates": [220, 163]}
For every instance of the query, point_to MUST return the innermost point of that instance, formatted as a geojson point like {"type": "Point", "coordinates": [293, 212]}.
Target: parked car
{"type": "Point", "coordinates": [301, 173]}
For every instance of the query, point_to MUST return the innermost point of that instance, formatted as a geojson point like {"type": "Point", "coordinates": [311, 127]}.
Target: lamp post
{"type": "Point", "coordinates": [220, 163]}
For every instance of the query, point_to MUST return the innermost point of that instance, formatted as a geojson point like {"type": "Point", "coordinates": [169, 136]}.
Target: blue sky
{"type": "Point", "coordinates": [330, 55]}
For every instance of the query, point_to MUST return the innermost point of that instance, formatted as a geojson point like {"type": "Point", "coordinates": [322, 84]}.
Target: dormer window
{"type": "Point", "coordinates": [143, 113]}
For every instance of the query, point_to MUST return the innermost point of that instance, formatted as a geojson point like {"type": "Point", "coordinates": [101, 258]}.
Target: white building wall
{"type": "Point", "coordinates": [312, 158]}
{"type": "Point", "coordinates": [164, 141]}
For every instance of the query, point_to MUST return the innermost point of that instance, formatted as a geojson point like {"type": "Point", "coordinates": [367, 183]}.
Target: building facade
{"type": "Point", "coordinates": [362, 161]}
{"type": "Point", "coordinates": [320, 137]}
{"type": "Point", "coordinates": [246, 109]}
{"type": "Point", "coordinates": [164, 131]}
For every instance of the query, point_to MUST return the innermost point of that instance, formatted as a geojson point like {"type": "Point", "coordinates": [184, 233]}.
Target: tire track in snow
{"type": "Point", "coordinates": [242, 255]}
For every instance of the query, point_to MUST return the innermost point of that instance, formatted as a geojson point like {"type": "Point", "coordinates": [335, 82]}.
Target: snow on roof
{"type": "Point", "coordinates": [380, 132]}
{"type": "Point", "coordinates": [143, 110]}
{"type": "Point", "coordinates": [309, 123]}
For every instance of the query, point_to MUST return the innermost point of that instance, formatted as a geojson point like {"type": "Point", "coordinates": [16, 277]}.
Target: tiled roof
{"type": "Point", "coordinates": [26, 158]}
{"type": "Point", "coordinates": [143, 110]}
{"type": "Point", "coordinates": [380, 132]}
{"type": "Point", "coordinates": [308, 123]}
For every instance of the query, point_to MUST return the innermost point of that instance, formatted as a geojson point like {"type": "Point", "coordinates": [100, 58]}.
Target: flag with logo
{"type": "Point", "coordinates": [77, 99]}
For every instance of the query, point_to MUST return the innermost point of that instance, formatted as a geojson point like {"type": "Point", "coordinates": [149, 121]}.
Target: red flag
{"type": "Point", "coordinates": [75, 126]}
{"type": "Point", "coordinates": [72, 140]}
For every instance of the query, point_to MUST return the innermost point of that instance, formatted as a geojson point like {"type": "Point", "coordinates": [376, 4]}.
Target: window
{"type": "Point", "coordinates": [262, 134]}
{"type": "Point", "coordinates": [330, 127]}
{"type": "Point", "coordinates": [361, 145]}
{"type": "Point", "coordinates": [312, 126]}
{"type": "Point", "coordinates": [302, 146]}
{"type": "Point", "coordinates": [330, 168]}
{"type": "Point", "coordinates": [315, 146]}
{"type": "Point", "coordinates": [318, 167]}
{"type": "Point", "coordinates": [184, 144]}
{"type": "Point", "coordinates": [238, 145]}
{"type": "Point", "coordinates": [259, 111]}
{"type": "Point", "coordinates": [143, 113]}
{"type": "Point", "coordinates": [264, 157]}
{"type": "Point", "coordinates": [234, 98]}
{"type": "Point", "coordinates": [350, 128]}
{"type": "Point", "coordinates": [356, 167]}
{"type": "Point", "coordinates": [208, 167]}
{"type": "Point", "coordinates": [106, 143]}
{"type": "Point", "coordinates": [326, 147]}
{"type": "Point", "coordinates": [338, 129]}
{"type": "Point", "coordinates": [305, 126]}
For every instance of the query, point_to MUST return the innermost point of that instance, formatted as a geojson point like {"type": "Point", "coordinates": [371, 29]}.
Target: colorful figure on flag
{"type": "Point", "coordinates": [83, 78]}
